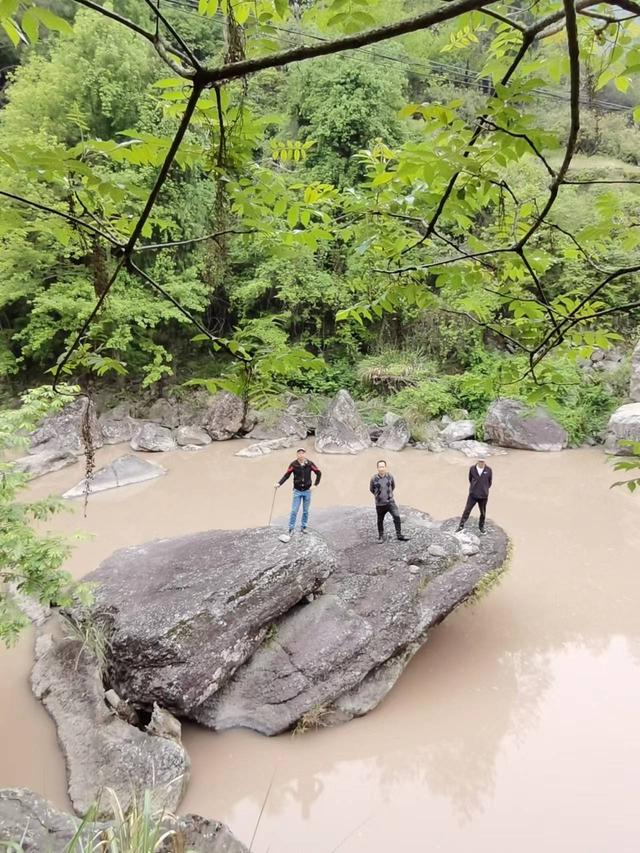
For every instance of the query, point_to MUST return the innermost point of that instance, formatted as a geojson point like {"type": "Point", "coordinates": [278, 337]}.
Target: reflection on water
{"type": "Point", "coordinates": [514, 728]}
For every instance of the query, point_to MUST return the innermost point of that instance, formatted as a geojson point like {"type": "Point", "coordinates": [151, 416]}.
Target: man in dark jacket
{"type": "Point", "coordinates": [480, 479]}
{"type": "Point", "coordinates": [302, 469]}
{"type": "Point", "coordinates": [382, 486]}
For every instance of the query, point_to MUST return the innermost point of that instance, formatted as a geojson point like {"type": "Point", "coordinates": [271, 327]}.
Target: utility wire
{"type": "Point", "coordinates": [454, 74]}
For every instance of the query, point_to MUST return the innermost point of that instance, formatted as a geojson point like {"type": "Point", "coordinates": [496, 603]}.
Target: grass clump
{"type": "Point", "coordinates": [317, 717]}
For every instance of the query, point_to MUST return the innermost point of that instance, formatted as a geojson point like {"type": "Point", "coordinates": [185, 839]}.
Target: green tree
{"type": "Point", "coordinates": [30, 562]}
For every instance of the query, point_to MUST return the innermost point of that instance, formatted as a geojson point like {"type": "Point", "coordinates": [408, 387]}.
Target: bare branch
{"type": "Point", "coordinates": [498, 17]}
{"type": "Point", "coordinates": [166, 166]}
{"type": "Point", "coordinates": [188, 53]}
{"type": "Point", "coordinates": [574, 73]}
{"type": "Point", "coordinates": [173, 243]}
{"type": "Point", "coordinates": [136, 269]}
{"type": "Point", "coordinates": [526, 138]}
{"type": "Point", "coordinates": [234, 70]}
{"type": "Point", "coordinates": [443, 262]}
{"type": "Point", "coordinates": [86, 325]}
{"type": "Point", "coordinates": [73, 219]}
{"type": "Point", "coordinates": [162, 49]}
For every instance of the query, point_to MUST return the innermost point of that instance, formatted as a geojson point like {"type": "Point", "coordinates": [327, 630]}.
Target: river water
{"type": "Point", "coordinates": [514, 729]}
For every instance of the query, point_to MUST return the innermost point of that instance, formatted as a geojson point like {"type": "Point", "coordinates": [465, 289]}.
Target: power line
{"type": "Point", "coordinates": [452, 72]}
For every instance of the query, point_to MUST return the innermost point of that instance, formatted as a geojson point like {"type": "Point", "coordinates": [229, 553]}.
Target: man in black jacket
{"type": "Point", "coordinates": [381, 487]}
{"type": "Point", "coordinates": [480, 479]}
{"type": "Point", "coordinates": [302, 469]}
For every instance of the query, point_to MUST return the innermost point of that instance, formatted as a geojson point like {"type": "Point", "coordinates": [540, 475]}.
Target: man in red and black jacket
{"type": "Point", "coordinates": [302, 470]}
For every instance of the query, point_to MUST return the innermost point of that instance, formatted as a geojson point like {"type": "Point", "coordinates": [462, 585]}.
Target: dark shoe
{"type": "Point", "coordinates": [380, 540]}
{"type": "Point", "coordinates": [483, 532]}
{"type": "Point", "coordinates": [303, 530]}
{"type": "Point", "coordinates": [459, 528]}
{"type": "Point", "coordinates": [402, 538]}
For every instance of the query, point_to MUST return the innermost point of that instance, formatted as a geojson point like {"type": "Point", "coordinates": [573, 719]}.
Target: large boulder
{"type": "Point", "coordinates": [44, 462]}
{"type": "Point", "coordinates": [634, 382]}
{"type": "Point", "coordinates": [224, 417]}
{"type": "Point", "coordinates": [341, 429]}
{"type": "Point", "coordinates": [101, 749]}
{"type": "Point", "coordinates": [153, 439]}
{"type": "Point", "coordinates": [510, 424]}
{"type": "Point", "coordinates": [236, 628]}
{"type": "Point", "coordinates": [63, 430]}
{"type": "Point", "coordinates": [182, 614]}
{"type": "Point", "coordinates": [123, 471]}
{"type": "Point", "coordinates": [458, 431]}
{"type": "Point", "coordinates": [395, 435]}
{"type": "Point", "coordinates": [624, 425]}
{"type": "Point", "coordinates": [34, 823]}
{"type": "Point", "coordinates": [376, 608]}
{"type": "Point", "coordinates": [278, 425]}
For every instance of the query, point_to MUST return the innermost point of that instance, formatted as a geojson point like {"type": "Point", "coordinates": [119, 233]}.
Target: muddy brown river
{"type": "Point", "coordinates": [514, 730]}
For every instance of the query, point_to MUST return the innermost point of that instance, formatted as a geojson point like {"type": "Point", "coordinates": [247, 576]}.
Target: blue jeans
{"type": "Point", "coordinates": [299, 497]}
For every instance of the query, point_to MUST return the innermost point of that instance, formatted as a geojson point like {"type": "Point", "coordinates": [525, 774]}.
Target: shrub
{"type": "Point", "coordinates": [392, 370]}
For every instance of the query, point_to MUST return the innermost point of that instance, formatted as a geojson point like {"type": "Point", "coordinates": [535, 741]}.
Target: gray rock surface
{"type": "Point", "coordinates": [510, 424]}
{"type": "Point", "coordinates": [458, 431]}
{"type": "Point", "coordinates": [164, 413]}
{"type": "Point", "coordinates": [118, 430]}
{"type": "Point", "coordinates": [634, 381]}
{"type": "Point", "coordinates": [281, 425]}
{"type": "Point", "coordinates": [192, 435]}
{"type": "Point", "coordinates": [182, 614]}
{"type": "Point", "coordinates": [44, 829]}
{"type": "Point", "coordinates": [45, 462]}
{"type": "Point", "coordinates": [624, 425]}
{"type": "Point", "coordinates": [123, 471]}
{"type": "Point", "coordinates": [262, 448]}
{"type": "Point", "coordinates": [341, 429]}
{"type": "Point", "coordinates": [395, 435]}
{"type": "Point", "coordinates": [340, 653]}
{"type": "Point", "coordinates": [63, 431]}
{"type": "Point", "coordinates": [102, 750]}
{"type": "Point", "coordinates": [476, 449]}
{"type": "Point", "coordinates": [224, 417]}
{"type": "Point", "coordinates": [153, 439]}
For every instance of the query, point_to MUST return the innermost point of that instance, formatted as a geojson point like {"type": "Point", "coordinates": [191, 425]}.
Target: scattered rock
{"type": "Point", "coordinates": [117, 431]}
{"type": "Point", "coordinates": [182, 614]}
{"type": "Point", "coordinates": [634, 382]}
{"type": "Point", "coordinates": [153, 439]}
{"type": "Point", "coordinates": [262, 448]}
{"type": "Point", "coordinates": [224, 417]}
{"type": "Point", "coordinates": [164, 724]}
{"type": "Point", "coordinates": [395, 436]}
{"type": "Point", "coordinates": [476, 449]}
{"type": "Point", "coordinates": [324, 657]}
{"type": "Point", "coordinates": [278, 425]}
{"type": "Point", "coordinates": [101, 750]}
{"type": "Point", "coordinates": [123, 471]}
{"type": "Point", "coordinates": [510, 424]}
{"type": "Point", "coordinates": [390, 419]}
{"type": "Point", "coordinates": [624, 425]}
{"type": "Point", "coordinates": [28, 818]}
{"type": "Point", "coordinates": [341, 429]}
{"type": "Point", "coordinates": [44, 462]}
{"type": "Point", "coordinates": [192, 436]}
{"type": "Point", "coordinates": [63, 431]}
{"type": "Point", "coordinates": [458, 431]}
{"type": "Point", "coordinates": [163, 413]}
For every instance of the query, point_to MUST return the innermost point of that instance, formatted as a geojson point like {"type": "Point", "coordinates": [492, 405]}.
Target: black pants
{"type": "Point", "coordinates": [482, 506]}
{"type": "Point", "coordinates": [382, 510]}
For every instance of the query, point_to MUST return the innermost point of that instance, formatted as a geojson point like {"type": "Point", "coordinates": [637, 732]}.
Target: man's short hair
{"type": "Point", "coordinates": [384, 461]}
{"type": "Point", "coordinates": [301, 450]}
